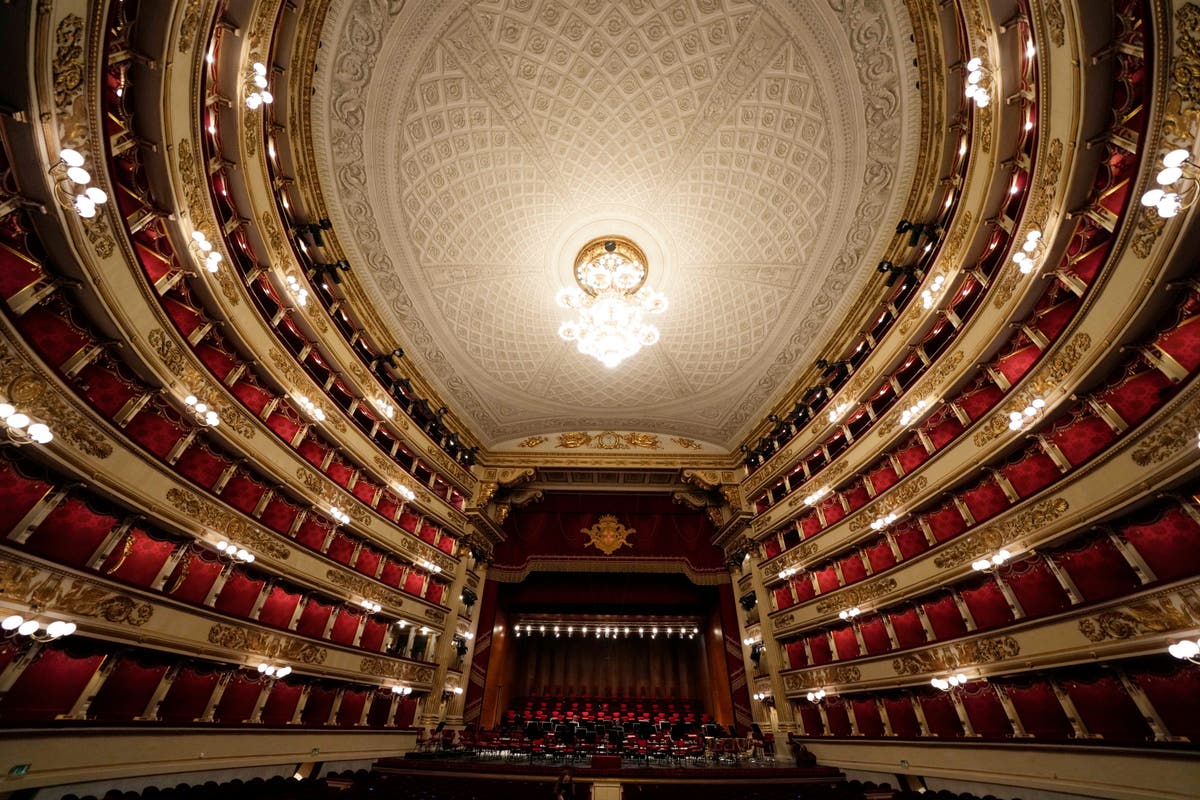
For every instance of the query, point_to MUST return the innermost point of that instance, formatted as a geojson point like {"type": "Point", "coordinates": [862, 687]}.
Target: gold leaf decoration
{"type": "Point", "coordinates": [59, 592]}
{"type": "Point", "coordinates": [1052, 10]}
{"type": "Point", "coordinates": [686, 443]}
{"type": "Point", "coordinates": [990, 538]}
{"type": "Point", "coordinates": [532, 441]}
{"type": "Point", "coordinates": [226, 523]}
{"type": "Point", "coordinates": [825, 676]}
{"type": "Point", "coordinates": [396, 670]}
{"type": "Point", "coordinates": [924, 389]}
{"type": "Point", "coordinates": [67, 67]}
{"type": "Point", "coordinates": [267, 645]}
{"type": "Point", "coordinates": [971, 653]}
{"type": "Point", "coordinates": [890, 501]}
{"type": "Point", "coordinates": [364, 587]}
{"type": "Point", "coordinates": [27, 388]}
{"type": "Point", "coordinates": [1037, 212]}
{"type": "Point", "coordinates": [857, 595]}
{"type": "Point", "coordinates": [1173, 435]}
{"type": "Point", "coordinates": [608, 535]}
{"type": "Point", "coordinates": [189, 24]}
{"type": "Point", "coordinates": [1151, 616]}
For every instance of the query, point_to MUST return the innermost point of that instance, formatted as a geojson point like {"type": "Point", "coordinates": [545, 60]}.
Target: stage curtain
{"type": "Point", "coordinates": [1169, 542]}
{"type": "Point", "coordinates": [984, 710]}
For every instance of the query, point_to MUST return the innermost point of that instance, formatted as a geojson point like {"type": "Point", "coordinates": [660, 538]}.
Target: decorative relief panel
{"type": "Point", "coordinates": [826, 676]}
{"type": "Point", "coordinates": [54, 591]}
{"type": "Point", "coordinates": [1153, 615]}
{"type": "Point", "coordinates": [856, 595]}
{"type": "Point", "coordinates": [991, 538]}
{"type": "Point", "coordinates": [892, 500]}
{"type": "Point", "coordinates": [924, 389]}
{"type": "Point", "coordinates": [396, 670]}
{"type": "Point", "coordinates": [227, 524]}
{"type": "Point", "coordinates": [1173, 435]}
{"type": "Point", "coordinates": [177, 362]}
{"type": "Point", "coordinates": [267, 645]}
{"type": "Point", "coordinates": [976, 652]}
{"type": "Point", "coordinates": [366, 588]}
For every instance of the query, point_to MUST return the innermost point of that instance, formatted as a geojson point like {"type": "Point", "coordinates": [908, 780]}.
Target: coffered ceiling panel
{"type": "Point", "coordinates": [751, 148]}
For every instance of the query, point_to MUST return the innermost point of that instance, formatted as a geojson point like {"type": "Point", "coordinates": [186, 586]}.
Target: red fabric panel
{"type": "Point", "coordinates": [413, 582]}
{"type": "Point", "coordinates": [1037, 707]}
{"type": "Point", "coordinates": [902, 717]}
{"type": "Point", "coordinates": [446, 544]}
{"type": "Point", "coordinates": [946, 522]}
{"type": "Point", "coordinates": [1183, 343]}
{"type": "Point", "coordinates": [866, 714]}
{"type": "Point", "coordinates": [339, 472]}
{"type": "Point", "coordinates": [977, 402]}
{"type": "Point", "coordinates": [153, 432]}
{"type": "Point", "coordinates": [406, 711]}
{"type": "Point", "coordinates": [388, 505]}
{"type": "Point", "coordinates": [944, 617]}
{"type": "Point", "coordinates": [313, 619]}
{"type": "Point", "coordinates": [344, 627]}
{"type": "Point", "coordinates": [1035, 587]}
{"type": "Point", "coordinates": [1137, 396]}
{"type": "Point", "coordinates": [18, 495]}
{"type": "Point", "coordinates": [910, 539]}
{"type": "Point", "coordinates": [839, 719]}
{"type": "Point", "coordinates": [368, 561]}
{"type": "Point", "coordinates": [255, 398]}
{"type": "Point", "coordinates": [239, 699]}
{"type": "Point", "coordinates": [319, 704]}
{"type": "Point", "coordinates": [374, 633]}
{"type": "Point", "coordinates": [845, 642]}
{"type": "Point", "coordinates": [804, 587]}
{"type": "Point", "coordinates": [283, 424]}
{"type": "Point", "coordinates": [783, 597]}
{"type": "Point", "coordinates": [984, 710]}
{"type": "Point", "coordinates": [365, 491]}
{"type": "Point", "coordinates": [352, 707]}
{"type": "Point", "coordinates": [1031, 473]}
{"type": "Point", "coordinates": [1083, 438]}
{"type": "Point", "coordinates": [312, 451]}
{"type": "Point", "coordinates": [857, 496]}
{"type": "Point", "coordinates": [278, 608]}
{"type": "Point", "coordinates": [874, 635]}
{"type": "Point", "coordinates": [1105, 708]}
{"type": "Point", "coordinates": [17, 271]}
{"type": "Point", "coordinates": [201, 465]}
{"type": "Point", "coordinates": [1098, 570]}
{"type": "Point", "coordinates": [882, 476]}
{"type": "Point", "coordinates": [811, 716]}
{"type": "Point", "coordinates": [279, 515]}
{"type": "Point", "coordinates": [818, 646]}
{"type": "Point", "coordinates": [408, 521]}
{"type": "Point", "coordinates": [428, 533]}
{"type": "Point", "coordinates": [880, 556]}
{"type": "Point", "coordinates": [281, 703]}
{"type": "Point", "coordinates": [49, 686]}
{"type": "Point", "coordinates": [186, 318]}
{"type": "Point", "coordinates": [52, 335]}
{"type": "Point", "coordinates": [140, 564]}
{"type": "Point", "coordinates": [126, 691]}
{"type": "Point", "coordinates": [912, 455]}
{"type": "Point", "coordinates": [827, 580]}
{"type": "Point", "coordinates": [188, 696]}
{"type": "Point", "coordinates": [771, 548]}
{"type": "Point", "coordinates": [70, 533]}
{"type": "Point", "coordinates": [908, 628]}
{"type": "Point", "coordinates": [810, 524]}
{"type": "Point", "coordinates": [381, 707]}
{"type": "Point", "coordinates": [1173, 688]}
{"type": "Point", "coordinates": [940, 715]}
{"type": "Point", "coordinates": [243, 493]}
{"type": "Point", "coordinates": [435, 591]}
{"type": "Point", "coordinates": [1170, 544]}
{"type": "Point", "coordinates": [1017, 363]}
{"type": "Point", "coordinates": [312, 532]}
{"type": "Point", "coordinates": [341, 548]}
{"type": "Point", "coordinates": [985, 500]}
{"type": "Point", "coordinates": [193, 577]}
{"type": "Point", "coordinates": [393, 573]}
{"type": "Point", "coordinates": [853, 569]}
{"type": "Point", "coordinates": [942, 429]}
{"type": "Point", "coordinates": [831, 507]}
{"type": "Point", "coordinates": [238, 594]}
{"type": "Point", "coordinates": [218, 362]}
{"type": "Point", "coordinates": [1051, 321]}
{"type": "Point", "coordinates": [987, 605]}
{"type": "Point", "coordinates": [106, 391]}
{"type": "Point", "coordinates": [795, 654]}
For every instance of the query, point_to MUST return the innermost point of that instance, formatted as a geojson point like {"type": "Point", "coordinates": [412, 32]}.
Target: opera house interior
{"type": "Point", "coordinates": [470, 399]}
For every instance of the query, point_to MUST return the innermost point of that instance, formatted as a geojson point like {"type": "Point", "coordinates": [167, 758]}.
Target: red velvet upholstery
{"type": "Point", "coordinates": [866, 714]}
{"type": "Point", "coordinates": [278, 608]}
{"type": "Point", "coordinates": [188, 696]}
{"type": "Point", "coordinates": [1038, 708]}
{"type": "Point", "coordinates": [910, 539]}
{"type": "Point", "coordinates": [845, 642]}
{"type": "Point", "coordinates": [319, 704]}
{"type": "Point", "coordinates": [827, 580]}
{"type": "Point", "coordinates": [882, 476]}
{"type": "Point", "coordinates": [243, 492]}
{"type": "Point", "coordinates": [835, 712]}
{"type": "Point", "coordinates": [352, 707]}
{"type": "Point", "coordinates": [1105, 708]}
{"type": "Point", "coordinates": [944, 617]}
{"type": "Point", "coordinates": [1098, 570]}
{"type": "Point", "coordinates": [313, 619]}
{"type": "Point", "coordinates": [1035, 587]}
{"type": "Point", "coordinates": [818, 647]}
{"type": "Point", "coordinates": [1138, 395]}
{"type": "Point", "coordinates": [194, 576]}
{"type": "Point", "coordinates": [281, 703]}
{"type": "Point", "coordinates": [987, 605]}
{"type": "Point", "coordinates": [158, 434]}
{"type": "Point", "coordinates": [374, 634]}
{"type": "Point", "coordinates": [1082, 438]}
{"type": "Point", "coordinates": [874, 635]}
{"type": "Point", "coordinates": [880, 555]}
{"type": "Point", "coordinates": [1169, 543]}
{"type": "Point", "coordinates": [435, 591]}
{"type": "Point", "coordinates": [940, 714]}
{"type": "Point", "coordinates": [201, 465]}
{"type": "Point", "coordinates": [279, 514]}
{"type": "Point", "coordinates": [238, 594]}
{"type": "Point", "coordinates": [71, 532]}
{"type": "Point", "coordinates": [240, 697]}
{"type": "Point", "coordinates": [341, 548]}
{"type": "Point", "coordinates": [344, 627]}
{"type": "Point", "coordinates": [139, 558]}
{"type": "Point", "coordinates": [985, 500]}
{"type": "Point", "coordinates": [1182, 343]}
{"type": "Point", "coordinates": [50, 685]}
{"type": "Point", "coordinates": [908, 628]}
{"type": "Point", "coordinates": [902, 717]}
{"type": "Point", "coordinates": [984, 710]}
{"type": "Point", "coordinates": [783, 597]}
{"type": "Point", "coordinates": [795, 654]}
{"type": "Point", "coordinates": [852, 568]}
{"type": "Point", "coordinates": [18, 495]}
{"type": "Point", "coordinates": [126, 691]}
{"type": "Point", "coordinates": [368, 561]}
{"type": "Point", "coordinates": [1033, 472]}
{"type": "Point", "coordinates": [1173, 688]}
{"type": "Point", "coordinates": [811, 717]}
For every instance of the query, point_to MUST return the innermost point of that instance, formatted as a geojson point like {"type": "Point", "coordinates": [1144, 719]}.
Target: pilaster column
{"type": "Point", "coordinates": [1010, 711]}
{"type": "Point", "coordinates": [964, 610]}
{"type": "Point", "coordinates": [215, 699]}
{"type": "Point", "coordinates": [336, 707]}
{"type": "Point", "coordinates": [295, 620]}
{"type": "Point", "coordinates": [961, 710]}
{"type": "Point", "coordinates": [920, 712]}
{"type": "Point", "coordinates": [263, 594]}
{"type": "Point", "coordinates": [883, 717]}
{"type": "Point", "coordinates": [150, 713]}
{"type": "Point", "coordinates": [1147, 708]}
{"type": "Point", "coordinates": [218, 585]}
{"type": "Point", "coordinates": [1068, 706]}
{"type": "Point", "coordinates": [924, 618]}
{"type": "Point", "coordinates": [168, 567]}
{"type": "Point", "coordinates": [80, 707]}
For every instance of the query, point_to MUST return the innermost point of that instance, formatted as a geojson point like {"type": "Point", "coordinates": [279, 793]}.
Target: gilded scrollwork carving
{"type": "Point", "coordinates": [395, 670]}
{"type": "Point", "coordinates": [1170, 437]}
{"type": "Point", "coordinates": [890, 501]}
{"type": "Point", "coordinates": [28, 388]}
{"type": "Point", "coordinates": [857, 594]}
{"type": "Point", "coordinates": [67, 67]}
{"type": "Point", "coordinates": [1158, 615]}
{"type": "Point", "coordinates": [991, 538]}
{"type": "Point", "coordinates": [944, 369]}
{"type": "Point", "coordinates": [267, 645]}
{"type": "Point", "coordinates": [226, 523]}
{"type": "Point", "coordinates": [825, 676]}
{"type": "Point", "coordinates": [970, 653]}
{"type": "Point", "coordinates": [366, 588]}
{"type": "Point", "coordinates": [189, 24]}
{"type": "Point", "coordinates": [54, 591]}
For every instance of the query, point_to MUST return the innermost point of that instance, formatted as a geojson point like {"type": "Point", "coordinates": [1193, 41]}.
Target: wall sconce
{"type": "Point", "coordinates": [257, 94]}
{"type": "Point", "coordinates": [17, 625]}
{"type": "Point", "coordinates": [201, 413]}
{"type": "Point", "coordinates": [20, 428]}
{"type": "Point", "coordinates": [912, 413]}
{"type": "Point", "coordinates": [849, 613]}
{"type": "Point", "coordinates": [272, 671]}
{"type": "Point", "coordinates": [882, 522]}
{"type": "Point", "coordinates": [811, 500]}
{"type": "Point", "coordinates": [1168, 202]}
{"type": "Point", "coordinates": [929, 292]}
{"type": "Point", "coordinates": [403, 691]}
{"type": "Point", "coordinates": [71, 184]}
{"type": "Point", "coordinates": [1031, 252]}
{"type": "Point", "coordinates": [1186, 650]}
{"type": "Point", "coordinates": [310, 408]}
{"type": "Point", "coordinates": [784, 574]}
{"type": "Point", "coordinates": [429, 566]}
{"type": "Point", "coordinates": [836, 413]}
{"type": "Point", "coordinates": [946, 684]}
{"type": "Point", "coordinates": [385, 408]}
{"type": "Point", "coordinates": [979, 83]}
{"type": "Point", "coordinates": [766, 698]}
{"type": "Point", "coordinates": [339, 516]}
{"type": "Point", "coordinates": [817, 696]}
{"type": "Point", "coordinates": [234, 553]}
{"type": "Point", "coordinates": [990, 564]}
{"type": "Point", "coordinates": [1019, 419]}
{"type": "Point", "coordinates": [204, 252]}
{"type": "Point", "coordinates": [405, 492]}
{"type": "Point", "coordinates": [451, 691]}
{"type": "Point", "coordinates": [297, 291]}
{"type": "Point", "coordinates": [374, 608]}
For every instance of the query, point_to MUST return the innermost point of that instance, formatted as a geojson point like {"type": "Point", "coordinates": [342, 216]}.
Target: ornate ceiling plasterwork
{"type": "Point", "coordinates": [755, 147]}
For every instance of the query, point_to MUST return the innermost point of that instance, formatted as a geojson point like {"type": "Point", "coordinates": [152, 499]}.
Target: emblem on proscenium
{"type": "Point", "coordinates": [608, 535]}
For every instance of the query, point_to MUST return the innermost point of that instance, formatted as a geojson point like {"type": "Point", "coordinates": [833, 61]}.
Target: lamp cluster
{"type": "Point", "coordinates": [985, 564]}
{"type": "Point", "coordinates": [1030, 253]}
{"type": "Point", "coordinates": [817, 696]}
{"type": "Point", "coordinates": [272, 671]}
{"type": "Point", "coordinates": [784, 574]}
{"type": "Point", "coordinates": [310, 408]}
{"type": "Point", "coordinates": [405, 492]}
{"type": "Point", "coordinates": [385, 408]}
{"type": "Point", "coordinates": [978, 79]}
{"type": "Point", "coordinates": [930, 291]}
{"type": "Point", "coordinates": [73, 184]}
{"type": "Point", "coordinates": [298, 291]}
{"type": "Point", "coordinates": [811, 500]}
{"type": "Point", "coordinates": [429, 566]}
{"type": "Point", "coordinates": [945, 684]}
{"type": "Point", "coordinates": [204, 251]}
{"type": "Point", "coordinates": [750, 640]}
{"type": "Point", "coordinates": [849, 613]}
{"type": "Point", "coordinates": [259, 95]}
{"type": "Point", "coordinates": [1168, 201]}
{"type": "Point", "coordinates": [234, 552]}
{"type": "Point", "coordinates": [1019, 419]}
{"type": "Point", "coordinates": [201, 412]}
{"type": "Point", "coordinates": [764, 697]}
{"type": "Point", "coordinates": [403, 691]}
{"type": "Point", "coordinates": [17, 625]}
{"type": "Point", "coordinates": [837, 411]}
{"type": "Point", "coordinates": [1187, 650]}
{"type": "Point", "coordinates": [341, 517]}
{"type": "Point", "coordinates": [882, 522]}
{"type": "Point", "coordinates": [20, 428]}
{"type": "Point", "coordinates": [911, 413]}
{"type": "Point", "coordinates": [374, 608]}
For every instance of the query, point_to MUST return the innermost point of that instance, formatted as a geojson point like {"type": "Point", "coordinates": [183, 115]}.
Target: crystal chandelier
{"type": "Point", "coordinates": [612, 300]}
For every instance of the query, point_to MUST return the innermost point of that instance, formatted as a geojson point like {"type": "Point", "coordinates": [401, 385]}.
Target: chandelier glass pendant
{"type": "Point", "coordinates": [612, 300]}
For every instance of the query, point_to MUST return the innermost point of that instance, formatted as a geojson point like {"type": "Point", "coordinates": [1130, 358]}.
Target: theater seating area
{"type": "Point", "coordinates": [607, 709]}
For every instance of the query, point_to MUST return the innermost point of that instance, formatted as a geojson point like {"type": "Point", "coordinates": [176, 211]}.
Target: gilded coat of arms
{"type": "Point", "coordinates": [607, 535]}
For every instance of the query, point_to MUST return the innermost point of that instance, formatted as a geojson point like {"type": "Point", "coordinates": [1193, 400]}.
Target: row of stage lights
{"type": "Point", "coordinates": [606, 631]}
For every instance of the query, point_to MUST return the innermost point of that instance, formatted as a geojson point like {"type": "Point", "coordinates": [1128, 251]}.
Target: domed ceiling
{"type": "Point", "coordinates": [759, 152]}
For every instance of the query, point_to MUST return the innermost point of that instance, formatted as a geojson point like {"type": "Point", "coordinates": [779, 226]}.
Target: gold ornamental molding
{"type": "Point", "coordinates": [1175, 434]}
{"type": "Point", "coordinates": [364, 587]}
{"type": "Point", "coordinates": [608, 535]}
{"type": "Point", "coordinates": [41, 588]}
{"type": "Point", "coordinates": [177, 362]}
{"type": "Point", "coordinates": [267, 645]}
{"type": "Point", "coordinates": [25, 386]}
{"type": "Point", "coordinates": [199, 212]}
{"type": "Point", "coordinates": [1052, 13]}
{"type": "Point", "coordinates": [1048, 379]}
{"type": "Point", "coordinates": [979, 33]}
{"type": "Point", "coordinates": [328, 492]}
{"type": "Point", "coordinates": [396, 670]}
{"type": "Point", "coordinates": [924, 388]}
{"type": "Point", "coordinates": [193, 12]}
{"type": "Point", "coordinates": [226, 523]}
{"type": "Point", "coordinates": [855, 595]}
{"type": "Point", "coordinates": [1157, 614]}
{"type": "Point", "coordinates": [827, 676]}
{"type": "Point", "coordinates": [1036, 216]}
{"type": "Point", "coordinates": [991, 538]}
{"type": "Point", "coordinates": [68, 64]}
{"type": "Point", "coordinates": [892, 500]}
{"type": "Point", "coordinates": [297, 378]}
{"type": "Point", "coordinates": [977, 652]}
{"type": "Point", "coordinates": [608, 440]}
